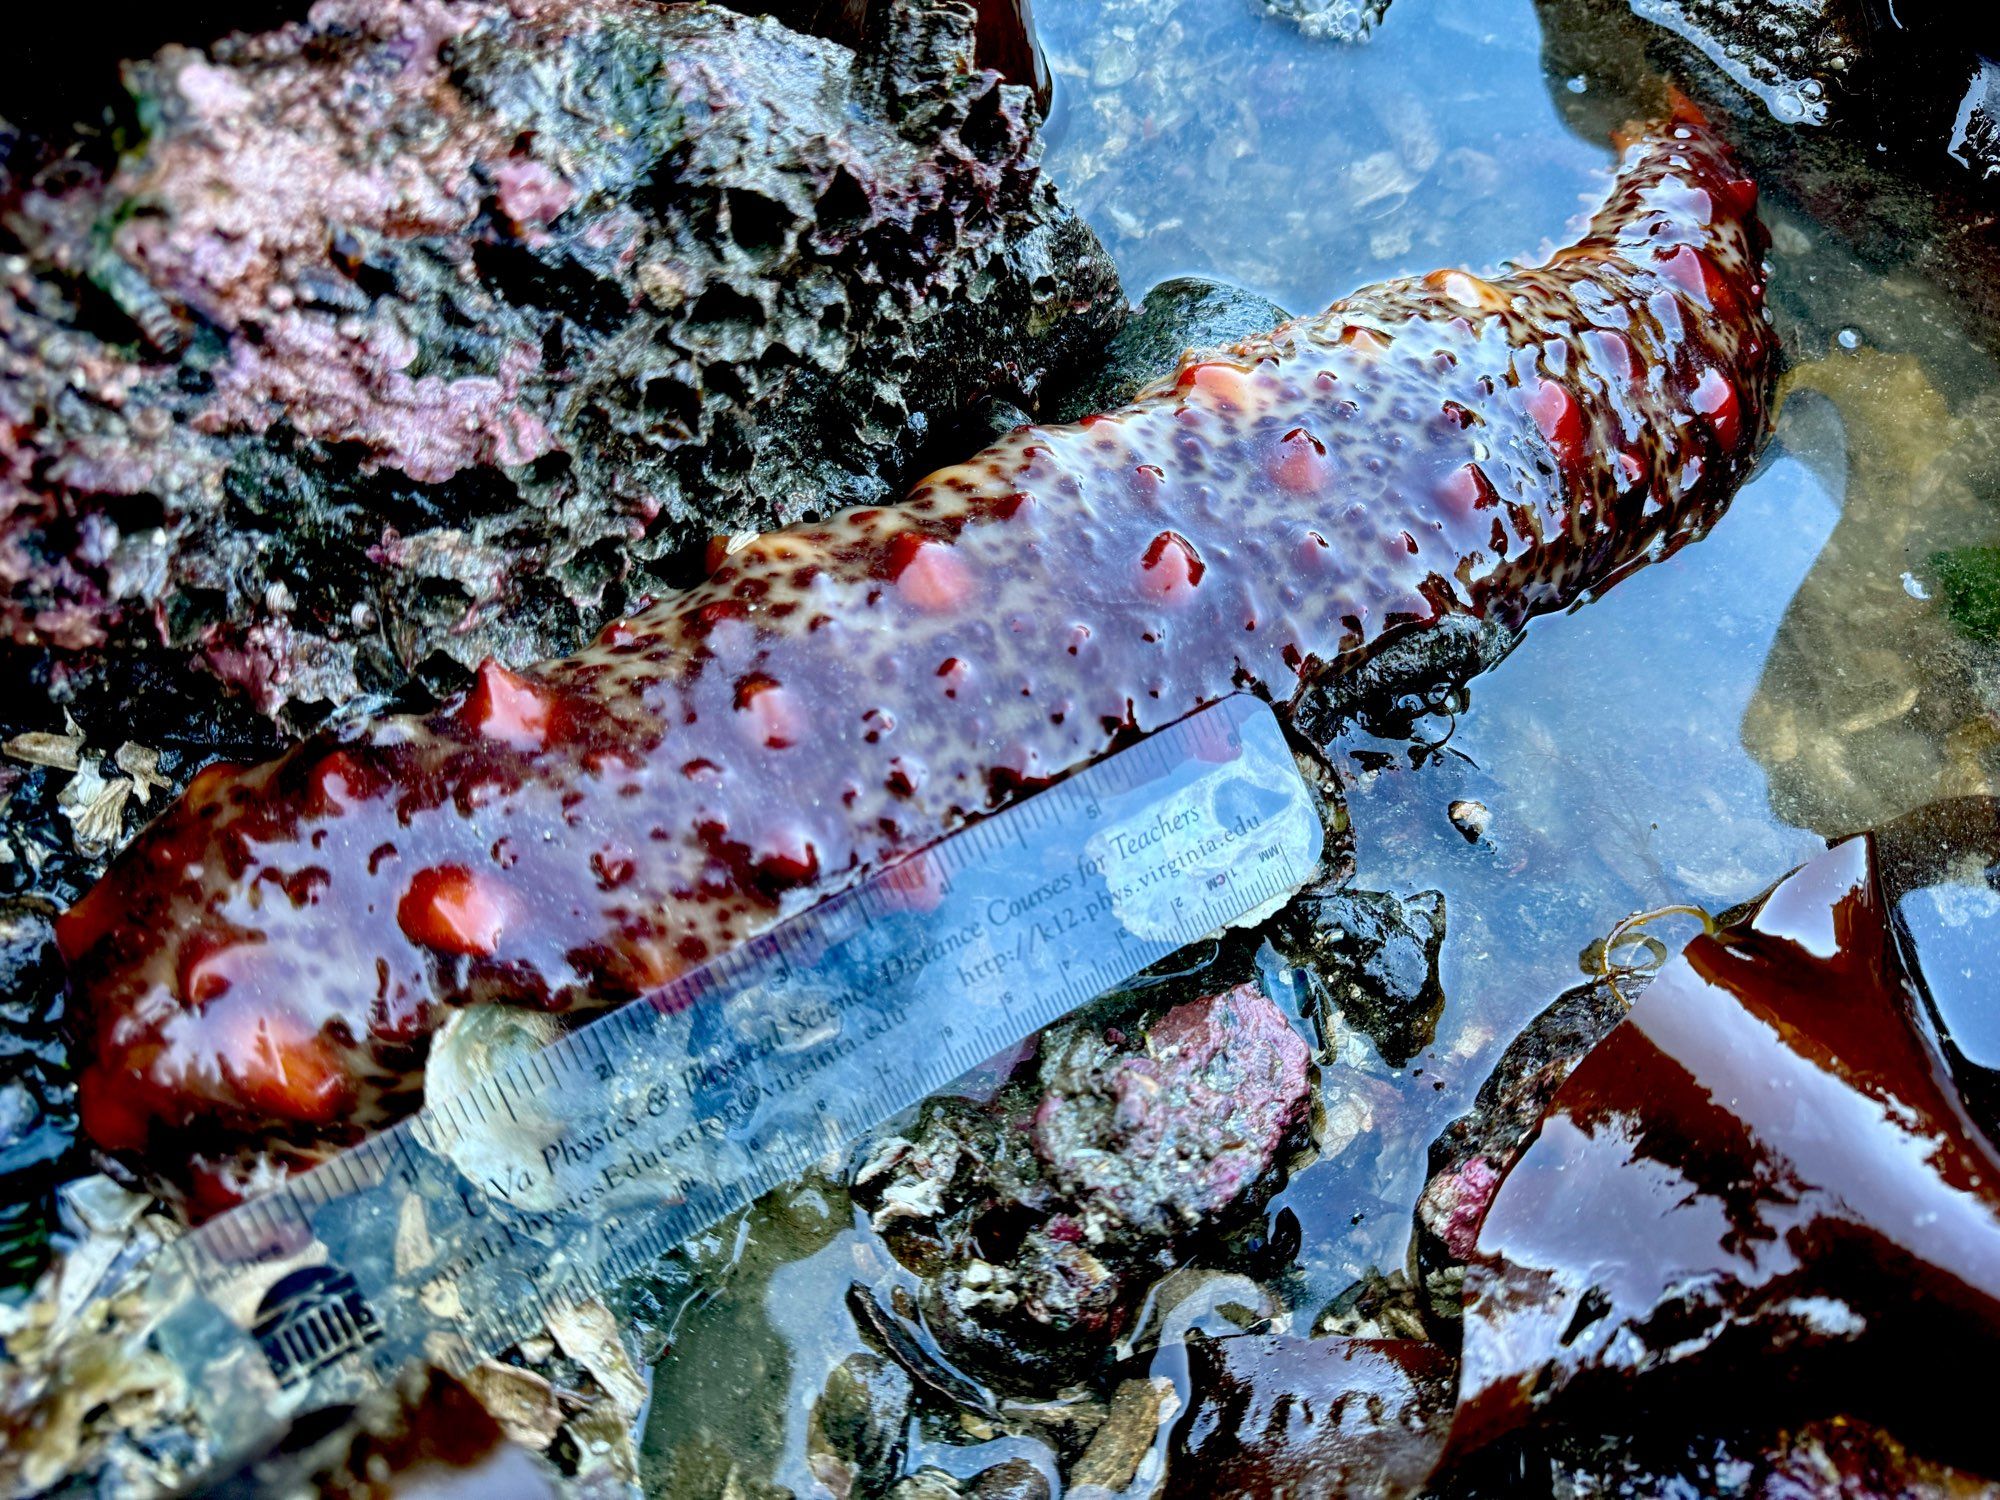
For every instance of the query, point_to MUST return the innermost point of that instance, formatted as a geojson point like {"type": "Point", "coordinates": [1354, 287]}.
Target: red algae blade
{"type": "Point", "coordinates": [1762, 1187]}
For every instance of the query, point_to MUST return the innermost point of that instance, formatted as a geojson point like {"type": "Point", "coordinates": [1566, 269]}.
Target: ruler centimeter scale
{"type": "Point", "coordinates": [461, 1230]}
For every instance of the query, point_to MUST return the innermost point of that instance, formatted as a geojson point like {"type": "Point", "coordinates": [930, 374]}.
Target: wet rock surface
{"type": "Point", "coordinates": [37, 1100]}
{"type": "Point", "coordinates": [414, 334]}
{"type": "Point", "coordinates": [856, 1441]}
{"type": "Point", "coordinates": [1372, 960]}
{"type": "Point", "coordinates": [1040, 1215]}
{"type": "Point", "coordinates": [1925, 72]}
{"type": "Point", "coordinates": [1333, 20]}
{"type": "Point", "coordinates": [1798, 55]}
{"type": "Point", "coordinates": [1469, 1158]}
{"type": "Point", "coordinates": [1187, 313]}
{"type": "Point", "coordinates": [1975, 134]}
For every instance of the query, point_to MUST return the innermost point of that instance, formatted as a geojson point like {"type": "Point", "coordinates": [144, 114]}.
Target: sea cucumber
{"type": "Point", "coordinates": [263, 967]}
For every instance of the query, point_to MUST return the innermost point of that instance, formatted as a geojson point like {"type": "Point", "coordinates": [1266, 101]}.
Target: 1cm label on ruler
{"type": "Point", "coordinates": [457, 1232]}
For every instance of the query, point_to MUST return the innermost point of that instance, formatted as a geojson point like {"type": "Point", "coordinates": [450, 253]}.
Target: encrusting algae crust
{"type": "Point", "coordinates": [257, 977]}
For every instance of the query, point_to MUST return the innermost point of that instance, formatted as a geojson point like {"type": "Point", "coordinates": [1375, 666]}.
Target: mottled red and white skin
{"type": "Point", "coordinates": [262, 969]}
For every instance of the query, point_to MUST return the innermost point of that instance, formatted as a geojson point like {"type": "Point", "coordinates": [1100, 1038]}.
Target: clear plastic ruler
{"type": "Point", "coordinates": [455, 1233]}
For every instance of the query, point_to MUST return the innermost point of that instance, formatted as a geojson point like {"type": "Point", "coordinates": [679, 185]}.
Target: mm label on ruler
{"type": "Point", "coordinates": [455, 1233]}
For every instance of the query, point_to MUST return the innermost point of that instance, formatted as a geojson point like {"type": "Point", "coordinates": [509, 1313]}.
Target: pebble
{"type": "Point", "coordinates": [1470, 818]}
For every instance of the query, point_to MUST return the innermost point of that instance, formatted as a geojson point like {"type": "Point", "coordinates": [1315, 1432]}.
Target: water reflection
{"type": "Point", "coordinates": [1209, 137]}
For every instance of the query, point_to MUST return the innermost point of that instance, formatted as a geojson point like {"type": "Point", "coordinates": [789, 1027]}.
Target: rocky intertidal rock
{"type": "Point", "coordinates": [427, 331]}
{"type": "Point", "coordinates": [1921, 76]}
{"type": "Point", "coordinates": [1797, 55]}
{"type": "Point", "coordinates": [1468, 1159]}
{"type": "Point", "coordinates": [37, 1104]}
{"type": "Point", "coordinates": [1335, 20]}
{"type": "Point", "coordinates": [1371, 960]}
{"type": "Point", "coordinates": [1040, 1214]}
{"type": "Point", "coordinates": [1158, 1140]}
{"type": "Point", "coordinates": [1187, 313]}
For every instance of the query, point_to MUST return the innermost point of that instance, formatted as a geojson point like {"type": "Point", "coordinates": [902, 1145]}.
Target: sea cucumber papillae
{"type": "Point", "coordinates": [258, 975]}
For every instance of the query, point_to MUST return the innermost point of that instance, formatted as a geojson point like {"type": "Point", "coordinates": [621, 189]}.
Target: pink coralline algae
{"type": "Point", "coordinates": [1169, 1136]}
{"type": "Point", "coordinates": [562, 286]}
{"type": "Point", "coordinates": [264, 967]}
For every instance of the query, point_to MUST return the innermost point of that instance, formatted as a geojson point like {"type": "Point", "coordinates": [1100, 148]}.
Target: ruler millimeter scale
{"type": "Point", "coordinates": [460, 1230]}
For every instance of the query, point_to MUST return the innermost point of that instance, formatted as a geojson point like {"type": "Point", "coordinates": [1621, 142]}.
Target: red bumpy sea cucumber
{"type": "Point", "coordinates": [261, 970]}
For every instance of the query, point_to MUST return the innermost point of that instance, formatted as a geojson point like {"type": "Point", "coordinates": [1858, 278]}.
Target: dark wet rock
{"type": "Point", "coordinates": [858, 1432]}
{"type": "Point", "coordinates": [1157, 1138]}
{"type": "Point", "coordinates": [893, 1324]}
{"type": "Point", "coordinates": [1275, 1415]}
{"type": "Point", "coordinates": [1118, 1449]}
{"type": "Point", "coordinates": [1013, 1479]}
{"type": "Point", "coordinates": [1188, 313]}
{"type": "Point", "coordinates": [1016, 1479]}
{"type": "Point", "coordinates": [1007, 43]}
{"type": "Point", "coordinates": [1052, 1280]}
{"type": "Point", "coordinates": [1334, 20]}
{"type": "Point", "coordinates": [1915, 77]}
{"type": "Point", "coordinates": [1376, 1307]}
{"type": "Point", "coordinates": [1816, 62]}
{"type": "Point", "coordinates": [1037, 1216]}
{"type": "Point", "coordinates": [1796, 55]}
{"type": "Point", "coordinates": [926, 1484]}
{"type": "Point", "coordinates": [421, 333]}
{"type": "Point", "coordinates": [1468, 1160]}
{"type": "Point", "coordinates": [1417, 677]}
{"type": "Point", "coordinates": [1371, 960]}
{"type": "Point", "coordinates": [111, 707]}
